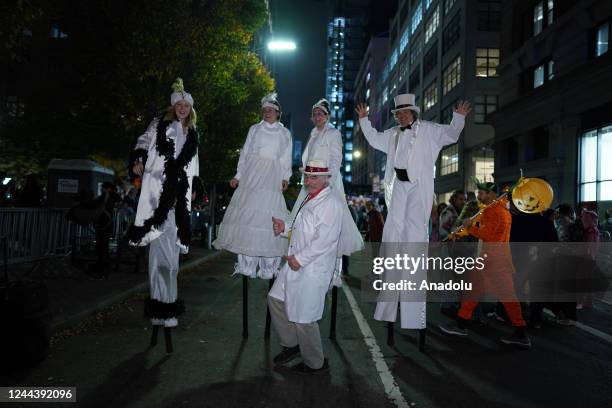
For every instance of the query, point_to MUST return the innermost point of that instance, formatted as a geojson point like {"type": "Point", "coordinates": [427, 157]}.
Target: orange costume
{"type": "Point", "coordinates": [493, 228]}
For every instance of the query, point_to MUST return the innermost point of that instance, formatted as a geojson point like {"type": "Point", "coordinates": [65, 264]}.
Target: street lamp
{"type": "Point", "coordinates": [356, 154]}
{"type": "Point", "coordinates": [281, 45]}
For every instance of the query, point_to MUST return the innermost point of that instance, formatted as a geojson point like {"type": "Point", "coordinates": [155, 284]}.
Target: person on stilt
{"type": "Point", "coordinates": [263, 173]}
{"type": "Point", "coordinates": [166, 157]}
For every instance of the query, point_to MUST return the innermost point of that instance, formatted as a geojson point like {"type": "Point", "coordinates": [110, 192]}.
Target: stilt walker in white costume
{"type": "Point", "coordinates": [325, 143]}
{"type": "Point", "coordinates": [297, 299]}
{"type": "Point", "coordinates": [412, 148]}
{"type": "Point", "coordinates": [263, 173]}
{"type": "Point", "coordinates": [166, 157]}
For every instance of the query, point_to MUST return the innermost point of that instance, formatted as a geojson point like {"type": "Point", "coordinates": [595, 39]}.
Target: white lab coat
{"type": "Point", "coordinates": [314, 241]}
{"type": "Point", "coordinates": [410, 203]}
{"type": "Point", "coordinates": [326, 145]}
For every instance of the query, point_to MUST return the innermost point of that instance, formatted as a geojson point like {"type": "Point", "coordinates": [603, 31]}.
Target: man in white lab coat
{"type": "Point", "coordinates": [297, 298]}
{"type": "Point", "coordinates": [412, 148]}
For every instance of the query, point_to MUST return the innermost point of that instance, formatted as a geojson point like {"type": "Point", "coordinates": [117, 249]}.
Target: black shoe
{"type": "Point", "coordinates": [303, 369]}
{"type": "Point", "coordinates": [454, 329]}
{"type": "Point", "coordinates": [288, 354]}
{"type": "Point", "coordinates": [517, 340]}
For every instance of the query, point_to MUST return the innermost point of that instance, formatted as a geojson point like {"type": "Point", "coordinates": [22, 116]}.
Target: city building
{"type": "Point", "coordinates": [555, 105]}
{"type": "Point", "coordinates": [346, 34]}
{"type": "Point", "coordinates": [369, 166]}
{"type": "Point", "coordinates": [444, 51]}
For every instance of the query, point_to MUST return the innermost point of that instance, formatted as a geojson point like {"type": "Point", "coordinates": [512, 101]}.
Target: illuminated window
{"type": "Point", "coordinates": [451, 76]}
{"type": "Point", "coordinates": [432, 24]}
{"type": "Point", "coordinates": [431, 96]}
{"type": "Point", "coordinates": [487, 60]}
{"type": "Point", "coordinates": [449, 160]}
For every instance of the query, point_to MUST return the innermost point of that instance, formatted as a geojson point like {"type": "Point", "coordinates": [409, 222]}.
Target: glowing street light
{"type": "Point", "coordinates": [356, 154]}
{"type": "Point", "coordinates": [278, 45]}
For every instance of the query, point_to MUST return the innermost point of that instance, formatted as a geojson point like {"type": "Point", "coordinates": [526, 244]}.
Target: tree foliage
{"type": "Point", "coordinates": [121, 58]}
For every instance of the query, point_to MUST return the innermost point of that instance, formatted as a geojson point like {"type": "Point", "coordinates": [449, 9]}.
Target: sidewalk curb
{"type": "Point", "coordinates": [70, 321]}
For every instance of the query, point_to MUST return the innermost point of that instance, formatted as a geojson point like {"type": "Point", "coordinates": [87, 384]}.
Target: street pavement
{"type": "Point", "coordinates": [212, 366]}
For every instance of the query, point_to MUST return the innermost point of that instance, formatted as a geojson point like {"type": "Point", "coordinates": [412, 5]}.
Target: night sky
{"type": "Point", "coordinates": [300, 75]}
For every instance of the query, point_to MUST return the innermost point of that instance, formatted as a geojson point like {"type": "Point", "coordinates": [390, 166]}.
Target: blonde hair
{"type": "Point", "coordinates": [170, 115]}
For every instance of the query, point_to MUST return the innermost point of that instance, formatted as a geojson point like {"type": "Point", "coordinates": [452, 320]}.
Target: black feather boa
{"type": "Point", "coordinates": [154, 309]}
{"type": "Point", "coordinates": [174, 188]}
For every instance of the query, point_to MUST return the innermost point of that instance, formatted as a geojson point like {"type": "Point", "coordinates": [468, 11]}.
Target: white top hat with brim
{"type": "Point", "coordinates": [316, 168]}
{"type": "Point", "coordinates": [405, 102]}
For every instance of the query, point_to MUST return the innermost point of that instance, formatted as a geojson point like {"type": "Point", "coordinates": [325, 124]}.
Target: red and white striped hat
{"type": "Point", "coordinates": [316, 168]}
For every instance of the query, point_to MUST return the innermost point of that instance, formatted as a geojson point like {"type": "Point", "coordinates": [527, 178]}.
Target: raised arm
{"type": "Point", "coordinates": [449, 134]}
{"type": "Point", "coordinates": [378, 140]}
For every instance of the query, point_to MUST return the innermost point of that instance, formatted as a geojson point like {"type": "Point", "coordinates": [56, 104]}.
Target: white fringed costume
{"type": "Point", "coordinates": [265, 161]}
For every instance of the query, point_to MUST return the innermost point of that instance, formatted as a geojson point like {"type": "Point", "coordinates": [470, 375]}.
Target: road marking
{"type": "Point", "coordinates": [588, 329]}
{"type": "Point", "coordinates": [391, 387]}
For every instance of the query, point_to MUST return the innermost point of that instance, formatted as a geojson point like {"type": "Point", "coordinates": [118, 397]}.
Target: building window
{"type": "Point", "coordinates": [543, 73]}
{"type": "Point", "coordinates": [484, 166]}
{"type": "Point", "coordinates": [415, 79]}
{"type": "Point", "coordinates": [57, 33]}
{"type": "Point", "coordinates": [542, 15]}
{"type": "Point", "coordinates": [602, 39]}
{"type": "Point", "coordinates": [449, 160]}
{"type": "Point", "coordinates": [417, 17]}
{"type": "Point", "coordinates": [483, 106]}
{"type": "Point", "coordinates": [432, 25]}
{"type": "Point", "coordinates": [451, 33]}
{"type": "Point", "coordinates": [451, 76]}
{"type": "Point", "coordinates": [448, 5]}
{"type": "Point", "coordinates": [431, 59]}
{"type": "Point", "coordinates": [536, 145]}
{"type": "Point", "coordinates": [428, 4]}
{"type": "Point", "coordinates": [487, 60]}
{"type": "Point", "coordinates": [347, 168]}
{"type": "Point", "coordinates": [595, 171]}
{"type": "Point", "coordinates": [416, 50]}
{"type": "Point", "coordinates": [404, 41]}
{"type": "Point", "coordinates": [489, 15]}
{"type": "Point", "coordinates": [348, 157]}
{"type": "Point", "coordinates": [393, 60]}
{"type": "Point", "coordinates": [447, 112]}
{"type": "Point", "coordinates": [348, 146]}
{"type": "Point", "coordinates": [431, 95]}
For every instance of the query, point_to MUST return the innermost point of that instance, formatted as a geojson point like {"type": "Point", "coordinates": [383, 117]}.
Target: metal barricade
{"type": "Point", "coordinates": [37, 233]}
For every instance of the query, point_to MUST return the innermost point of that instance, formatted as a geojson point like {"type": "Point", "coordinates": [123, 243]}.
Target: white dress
{"type": "Point", "coordinates": [246, 229]}
{"type": "Point", "coordinates": [326, 144]}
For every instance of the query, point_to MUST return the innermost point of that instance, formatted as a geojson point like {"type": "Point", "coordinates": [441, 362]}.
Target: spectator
{"type": "Point", "coordinates": [375, 223]}
{"type": "Point", "coordinates": [31, 194]}
{"type": "Point", "coordinates": [449, 216]}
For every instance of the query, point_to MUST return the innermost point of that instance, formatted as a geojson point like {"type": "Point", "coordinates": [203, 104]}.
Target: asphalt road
{"type": "Point", "coordinates": [212, 366]}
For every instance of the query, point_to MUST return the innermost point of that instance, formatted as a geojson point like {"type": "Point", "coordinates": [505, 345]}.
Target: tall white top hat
{"type": "Point", "coordinates": [405, 102]}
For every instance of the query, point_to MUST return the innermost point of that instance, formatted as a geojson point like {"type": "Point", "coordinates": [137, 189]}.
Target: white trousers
{"type": "Point", "coordinates": [164, 266]}
{"type": "Point", "coordinates": [407, 223]}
